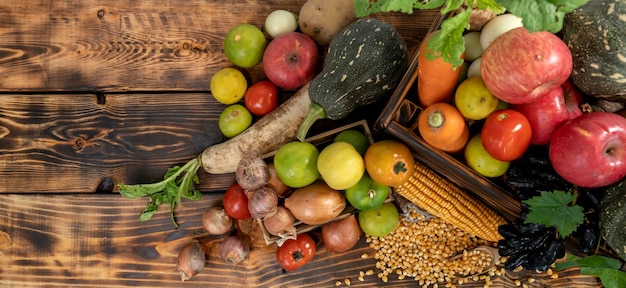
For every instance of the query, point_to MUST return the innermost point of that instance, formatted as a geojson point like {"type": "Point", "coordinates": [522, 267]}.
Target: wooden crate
{"type": "Point", "coordinates": [320, 141]}
{"type": "Point", "coordinates": [399, 119]}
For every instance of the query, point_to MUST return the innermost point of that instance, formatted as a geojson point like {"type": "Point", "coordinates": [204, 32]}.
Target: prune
{"type": "Point", "coordinates": [506, 248]}
{"type": "Point", "coordinates": [515, 261]}
{"type": "Point", "coordinates": [507, 230]}
{"type": "Point", "coordinates": [541, 259]}
{"type": "Point", "coordinates": [588, 237]}
{"type": "Point", "coordinates": [532, 229]}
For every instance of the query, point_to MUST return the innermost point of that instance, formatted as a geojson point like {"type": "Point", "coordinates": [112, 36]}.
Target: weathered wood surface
{"type": "Point", "coordinates": [56, 143]}
{"type": "Point", "coordinates": [69, 143]}
{"type": "Point", "coordinates": [95, 240]}
{"type": "Point", "coordinates": [132, 45]}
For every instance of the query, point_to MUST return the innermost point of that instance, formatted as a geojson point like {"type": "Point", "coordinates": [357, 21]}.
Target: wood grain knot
{"type": "Point", "coordinates": [5, 240]}
{"type": "Point", "coordinates": [106, 185]}
{"type": "Point", "coordinates": [101, 13]}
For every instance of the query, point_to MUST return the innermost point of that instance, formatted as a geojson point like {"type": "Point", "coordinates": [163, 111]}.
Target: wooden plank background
{"type": "Point", "coordinates": [97, 92]}
{"type": "Point", "coordinates": [117, 91]}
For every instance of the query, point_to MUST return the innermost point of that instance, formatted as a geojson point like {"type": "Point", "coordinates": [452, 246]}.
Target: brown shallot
{"type": "Point", "coordinates": [234, 250]}
{"type": "Point", "coordinates": [191, 260]}
{"type": "Point", "coordinates": [281, 224]}
{"type": "Point", "coordinates": [252, 172]}
{"type": "Point", "coordinates": [216, 221]}
{"type": "Point", "coordinates": [262, 203]}
{"type": "Point", "coordinates": [341, 235]}
{"type": "Point", "coordinates": [275, 183]}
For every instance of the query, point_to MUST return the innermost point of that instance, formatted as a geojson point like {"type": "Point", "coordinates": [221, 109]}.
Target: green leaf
{"type": "Point", "coordinates": [490, 5]}
{"type": "Point", "coordinates": [605, 268]}
{"type": "Point", "coordinates": [451, 5]}
{"type": "Point", "coordinates": [449, 41]}
{"type": "Point", "coordinates": [610, 278]}
{"type": "Point", "coordinates": [149, 211]}
{"type": "Point", "coordinates": [542, 15]}
{"type": "Point", "coordinates": [177, 183]}
{"type": "Point", "coordinates": [140, 190]}
{"type": "Point", "coordinates": [589, 261]}
{"type": "Point", "coordinates": [553, 209]}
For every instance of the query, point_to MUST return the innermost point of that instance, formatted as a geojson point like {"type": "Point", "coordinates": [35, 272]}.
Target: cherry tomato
{"type": "Point", "coordinates": [293, 254]}
{"type": "Point", "coordinates": [389, 162]}
{"type": "Point", "coordinates": [261, 98]}
{"type": "Point", "coordinates": [236, 203]}
{"type": "Point", "coordinates": [506, 134]}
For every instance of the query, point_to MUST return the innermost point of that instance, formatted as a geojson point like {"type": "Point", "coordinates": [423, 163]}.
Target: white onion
{"type": "Point", "coordinates": [473, 49]}
{"type": "Point", "coordinates": [474, 68]}
{"type": "Point", "coordinates": [279, 22]}
{"type": "Point", "coordinates": [498, 26]}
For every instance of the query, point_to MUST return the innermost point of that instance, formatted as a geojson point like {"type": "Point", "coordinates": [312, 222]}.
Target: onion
{"type": "Point", "coordinates": [216, 221]}
{"type": "Point", "coordinates": [281, 224]}
{"type": "Point", "coordinates": [252, 172]}
{"type": "Point", "coordinates": [316, 203]}
{"type": "Point", "coordinates": [275, 183]}
{"type": "Point", "coordinates": [234, 250]}
{"type": "Point", "coordinates": [191, 260]}
{"type": "Point", "coordinates": [262, 203]}
{"type": "Point", "coordinates": [341, 235]}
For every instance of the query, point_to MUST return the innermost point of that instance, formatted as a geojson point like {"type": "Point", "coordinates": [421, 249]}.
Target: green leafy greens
{"type": "Point", "coordinates": [177, 184]}
{"type": "Point", "coordinates": [537, 15]}
{"type": "Point", "coordinates": [605, 268]}
{"type": "Point", "coordinates": [555, 209]}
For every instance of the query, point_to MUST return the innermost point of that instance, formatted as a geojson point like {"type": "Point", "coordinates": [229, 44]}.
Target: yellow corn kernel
{"type": "Point", "coordinates": [445, 200]}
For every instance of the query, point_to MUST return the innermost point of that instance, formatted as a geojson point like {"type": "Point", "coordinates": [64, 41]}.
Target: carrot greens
{"type": "Point", "coordinates": [177, 184]}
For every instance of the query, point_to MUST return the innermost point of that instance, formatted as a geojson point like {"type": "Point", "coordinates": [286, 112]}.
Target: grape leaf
{"type": "Point", "coordinates": [610, 278]}
{"type": "Point", "coordinates": [554, 209]}
{"type": "Point", "coordinates": [596, 261]}
{"type": "Point", "coordinates": [605, 268]}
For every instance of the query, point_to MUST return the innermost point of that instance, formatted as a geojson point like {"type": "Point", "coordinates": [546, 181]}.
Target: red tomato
{"type": "Point", "coordinates": [261, 98]}
{"type": "Point", "coordinates": [506, 134]}
{"type": "Point", "coordinates": [236, 203]}
{"type": "Point", "coordinates": [293, 254]}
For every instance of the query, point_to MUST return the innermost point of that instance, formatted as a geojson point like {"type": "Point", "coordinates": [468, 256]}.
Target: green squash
{"type": "Point", "coordinates": [366, 61]}
{"type": "Point", "coordinates": [613, 218]}
{"type": "Point", "coordinates": [596, 35]}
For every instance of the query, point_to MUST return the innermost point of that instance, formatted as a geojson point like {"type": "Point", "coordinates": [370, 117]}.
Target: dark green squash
{"type": "Point", "coordinates": [596, 35]}
{"type": "Point", "coordinates": [366, 60]}
{"type": "Point", "coordinates": [613, 218]}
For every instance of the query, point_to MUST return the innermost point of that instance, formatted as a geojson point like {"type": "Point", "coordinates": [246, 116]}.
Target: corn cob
{"type": "Point", "coordinates": [445, 200]}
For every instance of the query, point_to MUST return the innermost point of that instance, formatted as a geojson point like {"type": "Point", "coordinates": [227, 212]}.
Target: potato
{"type": "Point", "coordinates": [322, 19]}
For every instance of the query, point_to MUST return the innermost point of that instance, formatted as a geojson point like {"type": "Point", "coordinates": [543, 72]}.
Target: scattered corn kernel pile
{"type": "Point", "coordinates": [421, 248]}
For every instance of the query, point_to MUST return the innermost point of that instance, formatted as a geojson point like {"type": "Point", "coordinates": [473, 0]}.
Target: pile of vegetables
{"type": "Point", "coordinates": [365, 61]}
{"type": "Point", "coordinates": [570, 32]}
{"type": "Point", "coordinates": [364, 44]}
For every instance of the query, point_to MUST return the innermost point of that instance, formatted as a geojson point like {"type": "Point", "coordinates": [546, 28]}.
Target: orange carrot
{"type": "Point", "coordinates": [436, 79]}
{"type": "Point", "coordinates": [442, 126]}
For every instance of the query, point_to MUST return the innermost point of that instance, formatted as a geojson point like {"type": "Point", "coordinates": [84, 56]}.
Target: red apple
{"type": "Point", "coordinates": [519, 67]}
{"type": "Point", "coordinates": [573, 99]}
{"type": "Point", "coordinates": [548, 112]}
{"type": "Point", "coordinates": [290, 60]}
{"type": "Point", "coordinates": [589, 150]}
